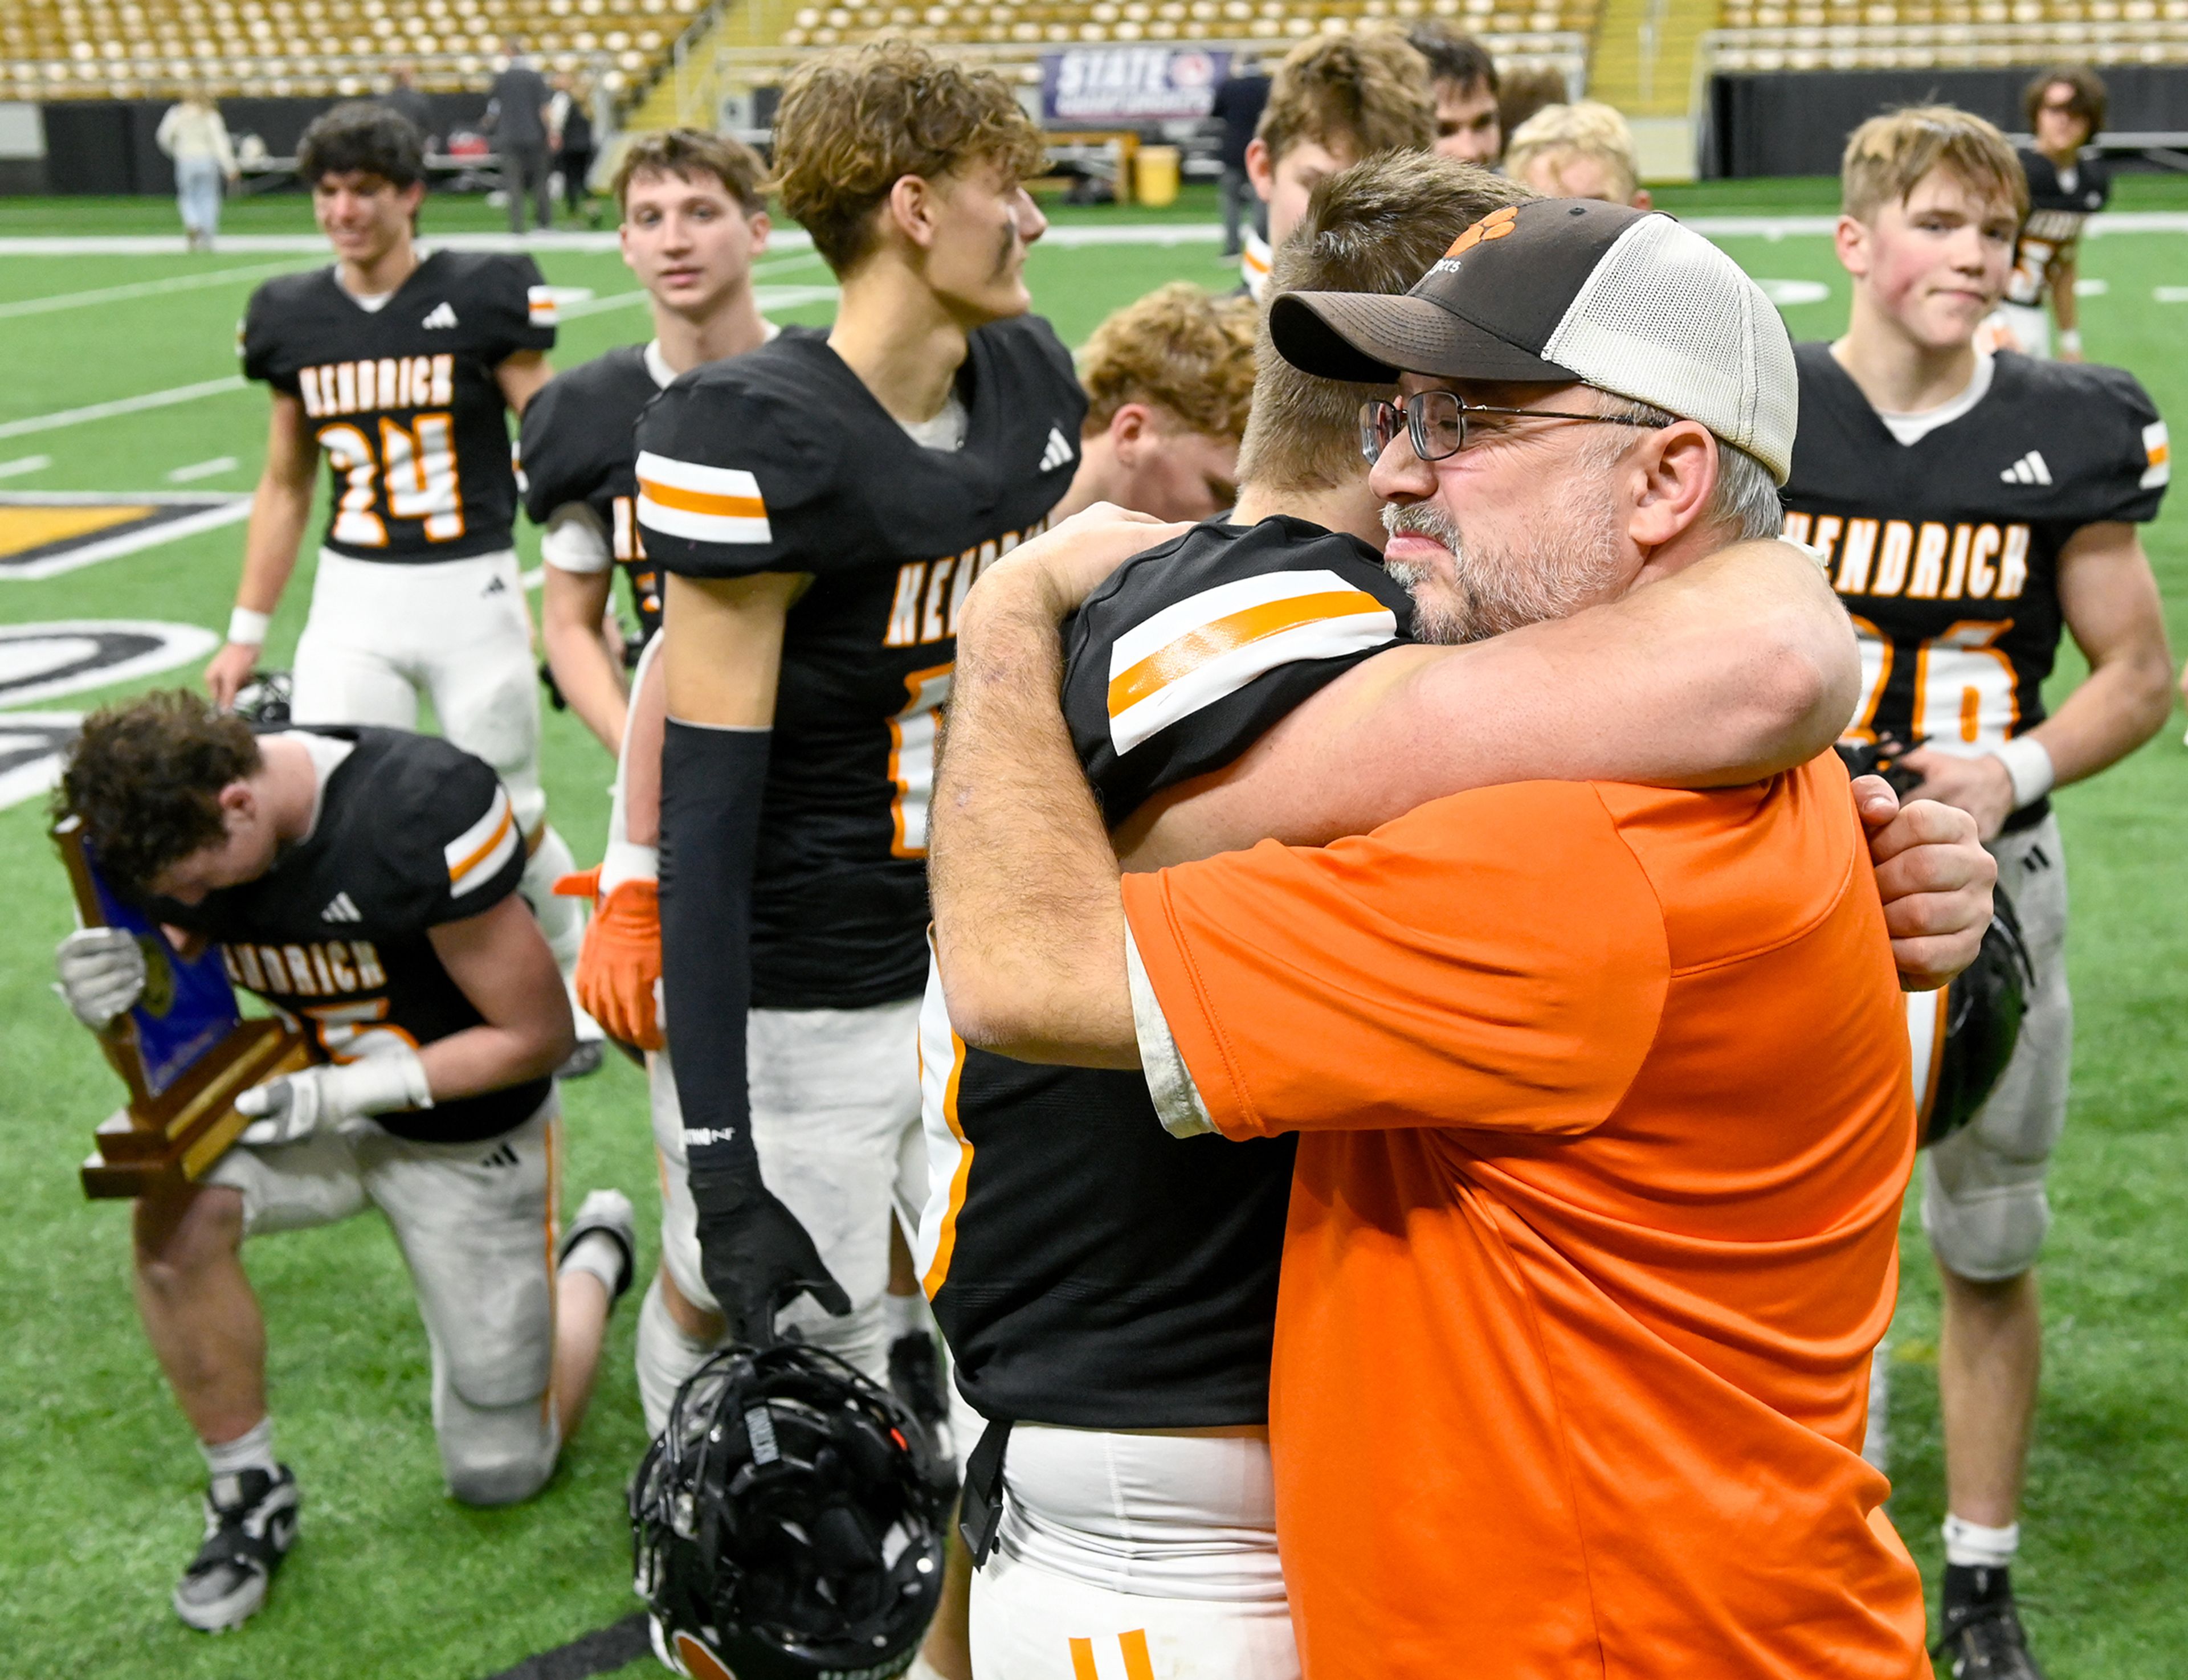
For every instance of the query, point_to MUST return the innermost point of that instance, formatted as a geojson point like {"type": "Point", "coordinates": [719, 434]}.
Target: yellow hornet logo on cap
{"type": "Point", "coordinates": [1494, 226]}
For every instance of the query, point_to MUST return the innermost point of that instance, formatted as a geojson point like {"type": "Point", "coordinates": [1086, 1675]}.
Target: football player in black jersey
{"type": "Point", "coordinates": [694, 217]}
{"type": "Point", "coordinates": [399, 368]}
{"type": "Point", "coordinates": [2066, 107]}
{"type": "Point", "coordinates": [1968, 507]}
{"type": "Point", "coordinates": [820, 507]}
{"type": "Point", "coordinates": [362, 882]}
{"type": "Point", "coordinates": [1111, 1294]}
{"type": "Point", "coordinates": [1332, 101]}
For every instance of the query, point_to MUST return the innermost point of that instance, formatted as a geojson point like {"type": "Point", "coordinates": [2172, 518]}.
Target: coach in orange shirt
{"type": "Point", "coordinates": [1603, 1090]}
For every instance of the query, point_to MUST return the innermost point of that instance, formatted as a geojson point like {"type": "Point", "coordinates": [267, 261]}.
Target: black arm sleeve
{"type": "Point", "coordinates": [711, 784]}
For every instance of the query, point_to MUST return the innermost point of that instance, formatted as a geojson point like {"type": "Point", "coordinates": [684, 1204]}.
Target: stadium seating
{"type": "Point", "coordinates": [54, 49]}
{"type": "Point", "coordinates": [1779, 34]}
{"type": "Point", "coordinates": [1035, 22]}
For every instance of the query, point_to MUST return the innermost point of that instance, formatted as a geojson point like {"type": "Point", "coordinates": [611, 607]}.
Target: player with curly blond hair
{"type": "Point", "coordinates": [1168, 380]}
{"type": "Point", "coordinates": [819, 506]}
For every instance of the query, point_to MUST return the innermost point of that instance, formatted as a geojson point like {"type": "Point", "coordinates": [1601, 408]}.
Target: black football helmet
{"type": "Point", "coordinates": [787, 1524]}
{"type": "Point", "coordinates": [1980, 1016]}
{"type": "Point", "coordinates": [264, 701]}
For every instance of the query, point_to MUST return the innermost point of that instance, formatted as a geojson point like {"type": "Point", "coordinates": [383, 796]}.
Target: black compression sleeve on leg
{"type": "Point", "coordinates": [712, 780]}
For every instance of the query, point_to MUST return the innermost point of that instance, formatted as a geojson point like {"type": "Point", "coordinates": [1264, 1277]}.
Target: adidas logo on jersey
{"type": "Point", "coordinates": [1059, 452]}
{"type": "Point", "coordinates": [503, 1157]}
{"type": "Point", "coordinates": [340, 910]}
{"type": "Point", "coordinates": [2028, 469]}
{"type": "Point", "coordinates": [440, 315]}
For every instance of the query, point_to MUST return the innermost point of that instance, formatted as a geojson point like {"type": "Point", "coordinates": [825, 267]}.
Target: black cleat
{"type": "Point", "coordinates": [584, 1060]}
{"type": "Point", "coordinates": [1982, 1633]}
{"type": "Point", "coordinates": [250, 1522]}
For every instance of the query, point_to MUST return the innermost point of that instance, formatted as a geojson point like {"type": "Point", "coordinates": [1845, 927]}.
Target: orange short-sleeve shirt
{"type": "Point", "coordinates": [1606, 1115]}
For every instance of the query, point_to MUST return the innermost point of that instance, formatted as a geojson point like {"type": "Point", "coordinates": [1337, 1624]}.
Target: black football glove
{"type": "Point", "coordinates": [756, 1257]}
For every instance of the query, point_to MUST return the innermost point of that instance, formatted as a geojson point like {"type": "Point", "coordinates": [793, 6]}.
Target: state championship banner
{"type": "Point", "coordinates": [1100, 87]}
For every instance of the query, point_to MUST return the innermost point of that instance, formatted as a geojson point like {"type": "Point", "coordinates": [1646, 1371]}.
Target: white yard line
{"type": "Point", "coordinates": [83, 300]}
{"type": "Point", "coordinates": [211, 468]}
{"type": "Point", "coordinates": [16, 469]}
{"type": "Point", "coordinates": [121, 405]}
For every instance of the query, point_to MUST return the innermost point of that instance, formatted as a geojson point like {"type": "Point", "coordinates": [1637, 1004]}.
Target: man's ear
{"type": "Point", "coordinates": [1678, 466]}
{"type": "Point", "coordinates": [1132, 432]}
{"type": "Point", "coordinates": [239, 803]}
{"type": "Point", "coordinates": [761, 227]}
{"type": "Point", "coordinates": [913, 207]}
{"type": "Point", "coordinates": [1260, 168]}
{"type": "Point", "coordinates": [413, 196]}
{"type": "Point", "coordinates": [1851, 238]}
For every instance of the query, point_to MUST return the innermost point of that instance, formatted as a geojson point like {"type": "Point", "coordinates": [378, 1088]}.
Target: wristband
{"type": "Point", "coordinates": [249, 628]}
{"type": "Point", "coordinates": [628, 860]}
{"type": "Point", "coordinates": [2029, 763]}
{"type": "Point", "coordinates": [2070, 338]}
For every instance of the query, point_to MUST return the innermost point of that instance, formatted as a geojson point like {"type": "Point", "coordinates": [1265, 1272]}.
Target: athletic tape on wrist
{"type": "Point", "coordinates": [2029, 764]}
{"type": "Point", "coordinates": [249, 628]}
{"type": "Point", "coordinates": [2070, 339]}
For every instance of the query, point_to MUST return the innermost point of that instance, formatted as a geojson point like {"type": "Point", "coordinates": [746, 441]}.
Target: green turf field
{"type": "Point", "coordinates": [392, 1580]}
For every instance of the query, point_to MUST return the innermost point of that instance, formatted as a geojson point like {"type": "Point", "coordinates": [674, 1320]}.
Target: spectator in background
{"type": "Point", "coordinates": [1464, 78]}
{"type": "Point", "coordinates": [1582, 150]}
{"type": "Point", "coordinates": [193, 134]}
{"type": "Point", "coordinates": [1526, 90]}
{"type": "Point", "coordinates": [518, 113]}
{"type": "Point", "coordinates": [1238, 105]}
{"type": "Point", "coordinates": [570, 126]}
{"type": "Point", "coordinates": [2065, 107]}
{"type": "Point", "coordinates": [405, 97]}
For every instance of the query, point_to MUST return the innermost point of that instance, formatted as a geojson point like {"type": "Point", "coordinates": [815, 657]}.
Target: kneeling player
{"type": "Point", "coordinates": [364, 882]}
{"type": "Point", "coordinates": [1108, 1293]}
{"type": "Point", "coordinates": [397, 366]}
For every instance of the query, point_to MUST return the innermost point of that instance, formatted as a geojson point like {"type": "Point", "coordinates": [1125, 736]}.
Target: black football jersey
{"type": "Point", "coordinates": [2054, 227]}
{"type": "Point", "coordinates": [412, 832]}
{"type": "Point", "coordinates": [579, 444]}
{"type": "Point", "coordinates": [402, 398]}
{"type": "Point", "coordinates": [1087, 1268]}
{"type": "Point", "coordinates": [781, 460]}
{"type": "Point", "coordinates": [1946, 550]}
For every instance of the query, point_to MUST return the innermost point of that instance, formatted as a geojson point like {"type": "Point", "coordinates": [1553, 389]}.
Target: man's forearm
{"type": "Point", "coordinates": [1029, 920]}
{"type": "Point", "coordinates": [2117, 706]}
{"type": "Point", "coordinates": [1741, 666]}
{"type": "Point", "coordinates": [570, 628]}
{"type": "Point", "coordinates": [278, 513]}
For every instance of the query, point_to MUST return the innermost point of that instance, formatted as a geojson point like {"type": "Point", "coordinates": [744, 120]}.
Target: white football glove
{"type": "Point", "coordinates": [102, 973]}
{"type": "Point", "coordinates": [296, 1105]}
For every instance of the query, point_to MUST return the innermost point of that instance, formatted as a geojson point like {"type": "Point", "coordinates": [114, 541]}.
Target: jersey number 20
{"type": "Point", "coordinates": [417, 466]}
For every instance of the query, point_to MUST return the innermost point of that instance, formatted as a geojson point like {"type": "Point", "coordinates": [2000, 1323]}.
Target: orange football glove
{"type": "Point", "coordinates": [620, 964]}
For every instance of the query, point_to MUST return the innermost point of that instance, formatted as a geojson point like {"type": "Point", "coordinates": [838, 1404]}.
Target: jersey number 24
{"type": "Point", "coordinates": [416, 466]}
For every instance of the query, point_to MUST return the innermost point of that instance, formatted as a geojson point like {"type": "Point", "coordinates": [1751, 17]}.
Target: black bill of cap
{"type": "Point", "coordinates": [1370, 339]}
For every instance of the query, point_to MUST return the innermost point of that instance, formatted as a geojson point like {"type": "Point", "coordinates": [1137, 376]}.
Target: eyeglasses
{"type": "Point", "coordinates": [1436, 421]}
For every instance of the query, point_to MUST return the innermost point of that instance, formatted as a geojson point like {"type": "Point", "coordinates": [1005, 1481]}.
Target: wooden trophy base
{"type": "Point", "coordinates": [195, 1121]}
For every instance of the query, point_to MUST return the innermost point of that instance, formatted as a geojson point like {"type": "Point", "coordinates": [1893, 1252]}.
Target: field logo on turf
{"type": "Point", "coordinates": [43, 532]}
{"type": "Point", "coordinates": [38, 661]}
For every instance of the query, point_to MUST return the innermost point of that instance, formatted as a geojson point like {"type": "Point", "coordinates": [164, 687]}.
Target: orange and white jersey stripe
{"type": "Point", "coordinates": [545, 309]}
{"type": "Point", "coordinates": [477, 855]}
{"type": "Point", "coordinates": [949, 1153]}
{"type": "Point", "coordinates": [700, 503]}
{"type": "Point", "coordinates": [1255, 258]}
{"type": "Point", "coordinates": [1214, 643]}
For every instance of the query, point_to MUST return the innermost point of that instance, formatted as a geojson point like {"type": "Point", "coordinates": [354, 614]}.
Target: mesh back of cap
{"type": "Point", "coordinates": [1667, 318]}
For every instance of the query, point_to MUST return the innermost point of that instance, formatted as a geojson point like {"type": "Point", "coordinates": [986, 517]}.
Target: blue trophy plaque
{"type": "Point", "coordinates": [183, 1050]}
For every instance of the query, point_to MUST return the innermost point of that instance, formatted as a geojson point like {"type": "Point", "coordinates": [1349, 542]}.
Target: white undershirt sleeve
{"type": "Point", "coordinates": [1177, 1100]}
{"type": "Point", "coordinates": [575, 540]}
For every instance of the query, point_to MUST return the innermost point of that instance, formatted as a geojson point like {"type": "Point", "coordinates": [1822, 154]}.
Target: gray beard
{"type": "Point", "coordinates": [1569, 557]}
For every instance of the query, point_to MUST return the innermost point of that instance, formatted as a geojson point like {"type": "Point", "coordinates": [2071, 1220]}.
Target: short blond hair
{"type": "Point", "coordinates": [1364, 94]}
{"type": "Point", "coordinates": [1888, 155]}
{"type": "Point", "coordinates": [1586, 128]}
{"type": "Point", "coordinates": [855, 121]}
{"type": "Point", "coordinates": [1178, 349]}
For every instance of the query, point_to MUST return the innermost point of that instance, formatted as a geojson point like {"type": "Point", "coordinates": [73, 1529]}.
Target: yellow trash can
{"type": "Point", "coordinates": [1154, 176]}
